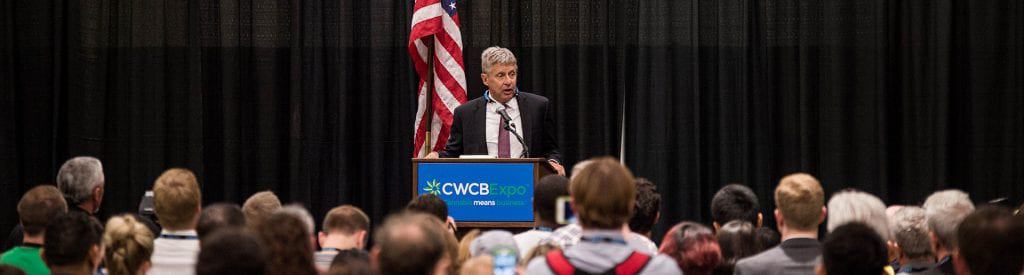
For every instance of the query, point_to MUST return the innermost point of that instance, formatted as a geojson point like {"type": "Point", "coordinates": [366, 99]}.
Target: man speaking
{"type": "Point", "coordinates": [494, 123]}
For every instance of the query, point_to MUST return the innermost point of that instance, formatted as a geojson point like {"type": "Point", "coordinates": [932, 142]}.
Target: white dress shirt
{"type": "Point", "coordinates": [175, 255]}
{"type": "Point", "coordinates": [493, 125]}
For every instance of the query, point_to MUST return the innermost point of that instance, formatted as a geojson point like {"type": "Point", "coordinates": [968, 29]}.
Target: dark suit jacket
{"type": "Point", "coordinates": [468, 137]}
{"type": "Point", "coordinates": [793, 256]}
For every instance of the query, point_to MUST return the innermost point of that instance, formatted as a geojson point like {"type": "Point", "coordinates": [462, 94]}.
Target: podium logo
{"type": "Point", "coordinates": [458, 188]}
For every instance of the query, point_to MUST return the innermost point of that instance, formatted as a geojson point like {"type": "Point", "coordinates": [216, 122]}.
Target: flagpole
{"type": "Point", "coordinates": [429, 110]}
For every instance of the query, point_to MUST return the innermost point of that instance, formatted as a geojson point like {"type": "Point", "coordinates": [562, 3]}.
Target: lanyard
{"type": "Point", "coordinates": [179, 237]}
{"type": "Point", "coordinates": [604, 239]}
{"type": "Point", "coordinates": [543, 229]}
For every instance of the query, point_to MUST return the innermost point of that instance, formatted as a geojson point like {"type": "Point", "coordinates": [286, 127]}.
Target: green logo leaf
{"type": "Point", "coordinates": [433, 187]}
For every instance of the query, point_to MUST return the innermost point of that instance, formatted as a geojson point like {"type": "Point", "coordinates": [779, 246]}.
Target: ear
{"type": "Point", "coordinates": [657, 216]}
{"type": "Point", "coordinates": [716, 226]}
{"type": "Point", "coordinates": [361, 239]}
{"type": "Point", "coordinates": [824, 213]}
{"type": "Point", "coordinates": [820, 269]}
{"type": "Point", "coordinates": [760, 220]}
{"type": "Point", "coordinates": [935, 241]}
{"type": "Point", "coordinates": [779, 222]}
{"type": "Point", "coordinates": [144, 267]}
{"type": "Point", "coordinates": [483, 78]}
{"type": "Point", "coordinates": [894, 250]}
{"type": "Point", "coordinates": [97, 195]}
{"type": "Point", "coordinates": [320, 238]}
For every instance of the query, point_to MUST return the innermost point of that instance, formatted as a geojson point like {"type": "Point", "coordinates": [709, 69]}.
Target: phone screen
{"type": "Point", "coordinates": [563, 211]}
{"type": "Point", "coordinates": [504, 262]}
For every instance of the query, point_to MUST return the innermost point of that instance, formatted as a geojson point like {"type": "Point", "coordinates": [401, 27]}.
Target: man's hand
{"type": "Point", "coordinates": [432, 155]}
{"type": "Point", "coordinates": [558, 167]}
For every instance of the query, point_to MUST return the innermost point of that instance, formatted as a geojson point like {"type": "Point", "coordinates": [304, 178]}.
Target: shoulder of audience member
{"type": "Point", "coordinates": [538, 265]}
{"type": "Point", "coordinates": [661, 264]}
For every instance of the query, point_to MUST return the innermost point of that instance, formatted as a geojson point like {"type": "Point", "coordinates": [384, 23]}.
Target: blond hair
{"type": "Point", "coordinates": [177, 198]}
{"type": "Point", "coordinates": [128, 244]}
{"type": "Point", "coordinates": [799, 198]}
{"type": "Point", "coordinates": [496, 55]}
{"type": "Point", "coordinates": [603, 194]}
{"type": "Point", "coordinates": [483, 264]}
{"type": "Point", "coordinates": [259, 207]}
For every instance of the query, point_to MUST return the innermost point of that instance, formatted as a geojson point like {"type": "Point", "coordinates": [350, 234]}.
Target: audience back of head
{"type": "Point", "coordinates": [603, 194]}
{"type": "Point", "coordinates": [231, 251]}
{"type": "Point", "coordinates": [910, 232]}
{"type": "Point", "coordinates": [351, 262]}
{"type": "Point", "coordinates": [177, 199]}
{"type": "Point", "coordinates": [851, 205]}
{"type": "Point", "coordinates": [943, 211]}
{"type": "Point", "coordinates": [429, 204]}
{"type": "Point", "coordinates": [81, 180]}
{"type": "Point", "coordinates": [217, 216]}
{"type": "Point", "coordinates": [646, 208]}
{"type": "Point", "coordinates": [259, 206]}
{"type": "Point", "coordinates": [347, 221]}
{"type": "Point", "coordinates": [73, 244]}
{"type": "Point", "coordinates": [693, 246]}
{"type": "Point", "coordinates": [737, 239]}
{"type": "Point", "coordinates": [735, 202]}
{"type": "Point", "coordinates": [38, 207]}
{"type": "Point", "coordinates": [409, 243]}
{"type": "Point", "coordinates": [991, 242]}
{"type": "Point", "coordinates": [546, 195]}
{"type": "Point", "coordinates": [129, 244]}
{"type": "Point", "coordinates": [800, 202]}
{"type": "Point", "coordinates": [287, 241]}
{"type": "Point", "coordinates": [853, 249]}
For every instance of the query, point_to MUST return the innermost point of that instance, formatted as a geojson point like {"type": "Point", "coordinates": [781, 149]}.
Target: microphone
{"type": "Point", "coordinates": [511, 128]}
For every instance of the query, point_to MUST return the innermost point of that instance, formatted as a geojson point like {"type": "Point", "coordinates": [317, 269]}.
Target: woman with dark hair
{"type": "Point", "coordinates": [289, 250]}
{"type": "Point", "coordinates": [737, 240]}
{"type": "Point", "coordinates": [693, 246]}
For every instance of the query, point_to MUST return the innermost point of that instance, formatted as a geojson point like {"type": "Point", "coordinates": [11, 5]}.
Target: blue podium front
{"type": "Point", "coordinates": [480, 192]}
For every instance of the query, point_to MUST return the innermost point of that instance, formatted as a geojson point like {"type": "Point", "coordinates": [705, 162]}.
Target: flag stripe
{"type": "Point", "coordinates": [436, 23]}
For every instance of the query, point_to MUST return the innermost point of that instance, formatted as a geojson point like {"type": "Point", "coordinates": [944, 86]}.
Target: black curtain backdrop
{"type": "Point", "coordinates": [315, 99]}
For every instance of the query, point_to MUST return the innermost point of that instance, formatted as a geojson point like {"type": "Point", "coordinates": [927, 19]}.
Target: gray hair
{"type": "Point", "coordinates": [910, 231]}
{"type": "Point", "coordinates": [496, 55]}
{"type": "Point", "coordinates": [944, 210]}
{"type": "Point", "coordinates": [856, 206]}
{"type": "Point", "coordinates": [78, 177]}
{"type": "Point", "coordinates": [296, 210]}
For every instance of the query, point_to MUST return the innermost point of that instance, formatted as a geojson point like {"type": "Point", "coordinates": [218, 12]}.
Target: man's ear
{"type": "Point", "coordinates": [657, 216]}
{"type": "Point", "coordinates": [320, 237]}
{"type": "Point", "coordinates": [716, 226]}
{"type": "Point", "coordinates": [820, 269]}
{"type": "Point", "coordinates": [779, 221]}
{"type": "Point", "coordinates": [361, 239]}
{"type": "Point", "coordinates": [760, 220]}
{"type": "Point", "coordinates": [824, 213]}
{"type": "Point", "coordinates": [483, 78]}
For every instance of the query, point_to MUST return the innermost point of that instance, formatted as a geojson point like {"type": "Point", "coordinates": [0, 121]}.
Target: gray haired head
{"type": "Point", "coordinates": [944, 210]}
{"type": "Point", "coordinates": [856, 206]}
{"type": "Point", "coordinates": [492, 241]}
{"type": "Point", "coordinates": [78, 177]}
{"type": "Point", "coordinates": [496, 55]}
{"type": "Point", "coordinates": [910, 231]}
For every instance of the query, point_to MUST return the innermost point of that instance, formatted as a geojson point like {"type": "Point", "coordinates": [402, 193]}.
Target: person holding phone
{"type": "Point", "coordinates": [545, 198]}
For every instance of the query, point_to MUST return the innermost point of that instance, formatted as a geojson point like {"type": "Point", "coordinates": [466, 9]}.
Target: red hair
{"type": "Point", "coordinates": [693, 246]}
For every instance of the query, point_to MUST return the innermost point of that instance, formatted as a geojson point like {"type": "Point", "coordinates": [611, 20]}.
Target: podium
{"type": "Point", "coordinates": [482, 193]}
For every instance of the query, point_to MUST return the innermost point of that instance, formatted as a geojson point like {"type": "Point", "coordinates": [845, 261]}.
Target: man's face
{"type": "Point", "coordinates": [501, 81]}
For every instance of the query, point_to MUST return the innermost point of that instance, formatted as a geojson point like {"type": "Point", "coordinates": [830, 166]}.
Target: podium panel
{"type": "Point", "coordinates": [482, 192]}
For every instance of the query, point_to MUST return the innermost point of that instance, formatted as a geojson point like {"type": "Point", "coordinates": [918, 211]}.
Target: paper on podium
{"type": "Point", "coordinates": [477, 157]}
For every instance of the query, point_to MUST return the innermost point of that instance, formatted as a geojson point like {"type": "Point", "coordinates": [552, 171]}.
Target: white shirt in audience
{"type": "Point", "coordinates": [526, 241]}
{"type": "Point", "coordinates": [175, 252]}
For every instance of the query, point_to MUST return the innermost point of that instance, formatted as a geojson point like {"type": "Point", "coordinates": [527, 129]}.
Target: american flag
{"type": "Point", "coordinates": [435, 22]}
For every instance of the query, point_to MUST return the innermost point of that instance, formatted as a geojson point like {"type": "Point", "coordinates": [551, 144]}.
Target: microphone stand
{"type": "Point", "coordinates": [508, 126]}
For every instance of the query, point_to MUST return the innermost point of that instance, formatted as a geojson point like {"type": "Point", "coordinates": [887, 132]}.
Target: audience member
{"type": "Point", "coordinates": [36, 210]}
{"type": "Point", "coordinates": [410, 243]}
{"type": "Point", "coordinates": [943, 211]}
{"type": "Point", "coordinates": [345, 227]}
{"type": "Point", "coordinates": [231, 251]}
{"type": "Point", "coordinates": [646, 212]}
{"type": "Point", "coordinates": [603, 195]}
{"type": "Point", "coordinates": [494, 242]}
{"type": "Point", "coordinates": [800, 208]}
{"type": "Point", "coordinates": [537, 251]}
{"type": "Point", "coordinates": [737, 239]}
{"type": "Point", "coordinates": [217, 216]}
{"type": "Point", "coordinates": [177, 202]}
{"type": "Point", "coordinates": [991, 242]}
{"type": "Point", "coordinates": [545, 196]}
{"type": "Point", "coordinates": [576, 169]}
{"type": "Point", "coordinates": [128, 244]}
{"type": "Point", "coordinates": [433, 205]}
{"type": "Point", "coordinates": [855, 206]}
{"type": "Point", "coordinates": [287, 241]}
{"type": "Point", "coordinates": [853, 248]}
{"type": "Point", "coordinates": [259, 207]}
{"type": "Point", "coordinates": [73, 244]}
{"type": "Point", "coordinates": [81, 182]}
{"type": "Point", "coordinates": [352, 261]}
{"type": "Point", "coordinates": [912, 247]}
{"type": "Point", "coordinates": [693, 247]}
{"type": "Point", "coordinates": [300, 212]}
{"type": "Point", "coordinates": [735, 202]}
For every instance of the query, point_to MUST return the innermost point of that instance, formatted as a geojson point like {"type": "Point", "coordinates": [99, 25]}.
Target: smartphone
{"type": "Point", "coordinates": [505, 262]}
{"type": "Point", "coordinates": [563, 211]}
